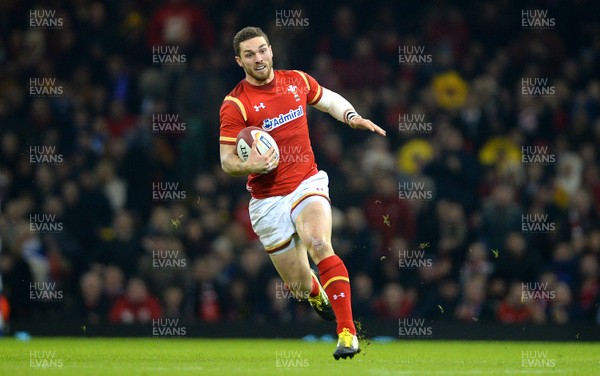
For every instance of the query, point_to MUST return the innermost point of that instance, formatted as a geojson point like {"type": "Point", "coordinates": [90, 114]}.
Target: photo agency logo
{"type": "Point", "coordinates": [536, 292]}
{"type": "Point", "coordinates": [413, 259]}
{"type": "Point", "coordinates": [168, 123]}
{"type": "Point", "coordinates": [168, 259]}
{"type": "Point", "coordinates": [537, 19]}
{"type": "Point", "coordinates": [290, 359]}
{"type": "Point", "coordinates": [537, 87]}
{"type": "Point", "coordinates": [168, 328]}
{"type": "Point", "coordinates": [413, 124]}
{"type": "Point", "coordinates": [45, 87]}
{"type": "Point", "coordinates": [293, 87]}
{"type": "Point", "coordinates": [167, 191]}
{"type": "Point", "coordinates": [290, 19]}
{"type": "Point", "coordinates": [167, 56]}
{"type": "Point", "coordinates": [283, 291]}
{"type": "Point", "coordinates": [44, 359]}
{"type": "Point", "coordinates": [413, 55]}
{"type": "Point", "coordinates": [537, 154]}
{"type": "Point", "coordinates": [44, 154]}
{"type": "Point", "coordinates": [44, 292]}
{"type": "Point", "coordinates": [43, 223]}
{"type": "Point", "coordinates": [537, 223]}
{"type": "Point", "coordinates": [293, 154]}
{"type": "Point", "coordinates": [536, 359]}
{"type": "Point", "coordinates": [414, 328]}
{"type": "Point", "coordinates": [44, 19]}
{"type": "Point", "coordinates": [414, 191]}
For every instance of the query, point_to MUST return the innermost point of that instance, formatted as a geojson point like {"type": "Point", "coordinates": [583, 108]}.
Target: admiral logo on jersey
{"type": "Point", "coordinates": [270, 124]}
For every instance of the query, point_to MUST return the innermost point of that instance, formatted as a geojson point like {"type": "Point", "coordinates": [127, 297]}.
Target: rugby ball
{"type": "Point", "coordinates": [254, 134]}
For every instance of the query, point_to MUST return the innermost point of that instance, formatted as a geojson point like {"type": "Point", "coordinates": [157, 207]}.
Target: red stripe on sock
{"type": "Point", "coordinates": [338, 291]}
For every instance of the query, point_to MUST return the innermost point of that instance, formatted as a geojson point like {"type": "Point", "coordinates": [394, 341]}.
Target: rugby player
{"type": "Point", "coordinates": [290, 207]}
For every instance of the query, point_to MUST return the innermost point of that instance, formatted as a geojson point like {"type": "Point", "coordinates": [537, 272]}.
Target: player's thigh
{"type": "Point", "coordinates": [292, 265]}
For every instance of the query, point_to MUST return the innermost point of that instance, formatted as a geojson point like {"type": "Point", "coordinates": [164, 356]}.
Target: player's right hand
{"type": "Point", "coordinates": [261, 164]}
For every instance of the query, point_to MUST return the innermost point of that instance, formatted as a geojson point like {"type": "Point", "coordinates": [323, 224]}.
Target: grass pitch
{"type": "Point", "coordinates": [127, 356]}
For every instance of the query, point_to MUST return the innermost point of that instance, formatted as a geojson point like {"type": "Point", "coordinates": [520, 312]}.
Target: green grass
{"type": "Point", "coordinates": [126, 356]}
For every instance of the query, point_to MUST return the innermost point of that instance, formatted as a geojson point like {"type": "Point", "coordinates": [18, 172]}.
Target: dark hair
{"type": "Point", "coordinates": [246, 33]}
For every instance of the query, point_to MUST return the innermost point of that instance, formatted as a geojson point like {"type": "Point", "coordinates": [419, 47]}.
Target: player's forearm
{"type": "Point", "coordinates": [234, 166]}
{"type": "Point", "coordinates": [337, 106]}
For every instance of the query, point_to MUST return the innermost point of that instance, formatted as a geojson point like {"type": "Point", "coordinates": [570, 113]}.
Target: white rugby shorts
{"type": "Point", "coordinates": [274, 218]}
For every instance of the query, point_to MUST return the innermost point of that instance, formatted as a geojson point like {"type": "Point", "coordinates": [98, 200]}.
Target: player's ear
{"type": "Point", "coordinates": [238, 60]}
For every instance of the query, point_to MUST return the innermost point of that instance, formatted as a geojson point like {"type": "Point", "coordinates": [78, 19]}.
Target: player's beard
{"type": "Point", "coordinates": [260, 76]}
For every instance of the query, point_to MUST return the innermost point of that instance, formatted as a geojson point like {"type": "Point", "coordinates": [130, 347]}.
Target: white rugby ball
{"type": "Point", "coordinates": [254, 134]}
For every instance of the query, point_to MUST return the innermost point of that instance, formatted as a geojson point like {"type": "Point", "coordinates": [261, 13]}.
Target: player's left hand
{"type": "Point", "coordinates": [366, 124]}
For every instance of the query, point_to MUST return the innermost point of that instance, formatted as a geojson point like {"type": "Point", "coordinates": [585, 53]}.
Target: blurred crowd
{"type": "Point", "coordinates": [502, 223]}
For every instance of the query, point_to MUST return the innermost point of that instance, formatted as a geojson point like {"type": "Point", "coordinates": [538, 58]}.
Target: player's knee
{"type": "Point", "coordinates": [319, 246]}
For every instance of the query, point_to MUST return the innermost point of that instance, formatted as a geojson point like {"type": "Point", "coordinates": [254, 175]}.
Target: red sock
{"type": "Point", "coordinates": [334, 276]}
{"type": "Point", "coordinates": [314, 291]}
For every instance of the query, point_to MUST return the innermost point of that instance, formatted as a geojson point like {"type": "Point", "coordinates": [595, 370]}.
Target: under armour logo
{"type": "Point", "coordinates": [341, 295]}
{"type": "Point", "coordinates": [261, 105]}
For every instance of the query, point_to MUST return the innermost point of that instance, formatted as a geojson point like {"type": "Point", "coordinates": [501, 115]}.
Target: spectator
{"type": "Point", "coordinates": [121, 246]}
{"type": "Point", "coordinates": [515, 263]}
{"type": "Point", "coordinates": [181, 23]}
{"type": "Point", "coordinates": [362, 296]}
{"type": "Point", "coordinates": [589, 285]}
{"type": "Point", "coordinates": [136, 306]}
{"type": "Point", "coordinates": [93, 305]}
{"type": "Point", "coordinates": [114, 282]}
{"type": "Point", "coordinates": [500, 216]}
{"type": "Point", "coordinates": [513, 309]}
{"type": "Point", "coordinates": [173, 302]}
{"type": "Point", "coordinates": [472, 306]}
{"type": "Point", "coordinates": [393, 303]}
{"type": "Point", "coordinates": [203, 296]}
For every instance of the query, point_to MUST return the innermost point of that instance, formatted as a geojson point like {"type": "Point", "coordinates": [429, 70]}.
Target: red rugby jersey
{"type": "Point", "coordinates": [278, 107]}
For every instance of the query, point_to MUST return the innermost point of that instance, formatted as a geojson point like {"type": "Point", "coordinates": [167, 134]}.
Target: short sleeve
{"type": "Point", "coordinates": [232, 120]}
{"type": "Point", "coordinates": [314, 89]}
